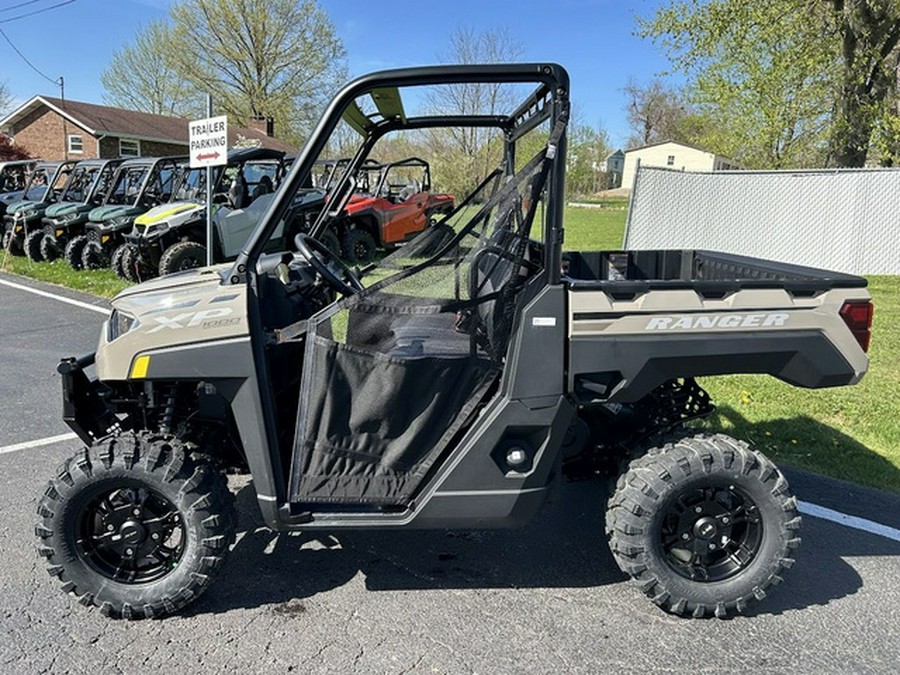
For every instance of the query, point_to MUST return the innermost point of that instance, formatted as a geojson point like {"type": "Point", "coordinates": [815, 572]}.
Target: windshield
{"type": "Point", "coordinates": [127, 187]}
{"type": "Point", "coordinates": [79, 184]}
{"type": "Point", "coordinates": [192, 186]}
{"type": "Point", "coordinates": [37, 186]}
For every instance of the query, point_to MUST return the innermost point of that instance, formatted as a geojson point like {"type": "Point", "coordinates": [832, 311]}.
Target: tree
{"type": "Point", "coordinates": [142, 76]}
{"type": "Point", "coordinates": [278, 58]}
{"type": "Point", "coordinates": [11, 152]}
{"type": "Point", "coordinates": [655, 111]}
{"type": "Point", "coordinates": [786, 82]}
{"type": "Point", "coordinates": [6, 99]}
{"type": "Point", "coordinates": [468, 155]}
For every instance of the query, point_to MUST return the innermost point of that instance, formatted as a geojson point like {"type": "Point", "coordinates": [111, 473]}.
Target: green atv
{"type": "Point", "coordinates": [45, 186]}
{"type": "Point", "coordinates": [66, 219]}
{"type": "Point", "coordinates": [139, 185]}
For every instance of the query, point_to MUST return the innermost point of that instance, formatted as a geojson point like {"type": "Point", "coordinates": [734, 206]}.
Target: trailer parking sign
{"type": "Point", "coordinates": [208, 141]}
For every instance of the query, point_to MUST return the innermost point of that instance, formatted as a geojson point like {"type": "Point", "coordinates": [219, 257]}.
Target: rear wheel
{"type": "Point", "coordinates": [703, 524]}
{"type": "Point", "coordinates": [50, 248]}
{"type": "Point", "coordinates": [33, 245]}
{"type": "Point", "coordinates": [185, 255]}
{"type": "Point", "coordinates": [74, 250]}
{"type": "Point", "coordinates": [359, 247]}
{"type": "Point", "coordinates": [94, 257]}
{"type": "Point", "coordinates": [135, 526]}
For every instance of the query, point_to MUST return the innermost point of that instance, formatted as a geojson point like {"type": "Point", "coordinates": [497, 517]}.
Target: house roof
{"type": "Point", "coordinates": [684, 145]}
{"type": "Point", "coordinates": [101, 120]}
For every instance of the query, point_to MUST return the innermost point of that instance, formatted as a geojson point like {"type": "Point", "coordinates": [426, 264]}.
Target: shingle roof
{"type": "Point", "coordinates": [106, 120]}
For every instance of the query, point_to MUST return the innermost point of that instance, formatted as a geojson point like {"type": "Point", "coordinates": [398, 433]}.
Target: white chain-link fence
{"type": "Point", "coordinates": [844, 220]}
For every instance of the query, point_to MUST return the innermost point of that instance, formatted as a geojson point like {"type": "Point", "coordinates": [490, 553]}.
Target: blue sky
{"type": "Point", "coordinates": [593, 39]}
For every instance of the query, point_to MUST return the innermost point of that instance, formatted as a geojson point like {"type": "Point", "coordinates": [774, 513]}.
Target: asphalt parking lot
{"type": "Point", "coordinates": [547, 598]}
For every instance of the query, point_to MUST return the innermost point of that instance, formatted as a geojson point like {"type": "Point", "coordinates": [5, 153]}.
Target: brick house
{"type": "Point", "coordinates": [54, 129]}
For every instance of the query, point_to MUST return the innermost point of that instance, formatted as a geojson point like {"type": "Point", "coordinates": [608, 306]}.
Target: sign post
{"type": "Point", "coordinates": [209, 148]}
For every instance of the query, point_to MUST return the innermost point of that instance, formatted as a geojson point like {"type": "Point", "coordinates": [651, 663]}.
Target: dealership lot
{"type": "Point", "coordinates": [547, 597]}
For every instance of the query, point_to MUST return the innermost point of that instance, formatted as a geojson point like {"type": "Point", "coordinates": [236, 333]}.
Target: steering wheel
{"type": "Point", "coordinates": [323, 260]}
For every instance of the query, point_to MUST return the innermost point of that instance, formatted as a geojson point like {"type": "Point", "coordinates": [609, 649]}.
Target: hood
{"type": "Point", "coordinates": [173, 213]}
{"type": "Point", "coordinates": [26, 205]}
{"type": "Point", "coordinates": [150, 290]}
{"type": "Point", "coordinates": [66, 209]}
{"type": "Point", "coordinates": [103, 213]}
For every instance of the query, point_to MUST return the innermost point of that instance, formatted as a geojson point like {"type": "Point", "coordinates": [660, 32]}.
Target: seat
{"type": "Point", "coordinates": [263, 187]}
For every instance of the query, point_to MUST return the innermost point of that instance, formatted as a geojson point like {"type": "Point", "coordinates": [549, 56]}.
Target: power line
{"type": "Point", "coordinates": [37, 11]}
{"type": "Point", "coordinates": [21, 4]}
{"type": "Point", "coordinates": [25, 59]}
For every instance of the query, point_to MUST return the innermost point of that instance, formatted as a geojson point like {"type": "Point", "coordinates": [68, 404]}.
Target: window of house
{"type": "Point", "coordinates": [129, 147]}
{"type": "Point", "coordinates": [670, 161]}
{"type": "Point", "coordinates": [76, 144]}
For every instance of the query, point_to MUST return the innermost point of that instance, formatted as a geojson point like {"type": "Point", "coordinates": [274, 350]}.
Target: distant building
{"type": "Point", "coordinates": [672, 155]}
{"type": "Point", "coordinates": [54, 129]}
{"type": "Point", "coordinates": [615, 166]}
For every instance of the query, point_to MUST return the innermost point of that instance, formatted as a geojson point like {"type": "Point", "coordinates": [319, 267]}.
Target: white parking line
{"type": "Point", "coordinates": [50, 440]}
{"type": "Point", "coordinates": [53, 296]}
{"type": "Point", "coordinates": [856, 523]}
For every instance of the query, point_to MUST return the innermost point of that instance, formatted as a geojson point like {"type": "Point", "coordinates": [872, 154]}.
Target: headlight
{"type": "Point", "coordinates": [120, 323]}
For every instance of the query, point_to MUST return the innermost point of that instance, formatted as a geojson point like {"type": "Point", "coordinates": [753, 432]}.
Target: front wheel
{"type": "Point", "coordinates": [185, 255]}
{"type": "Point", "coordinates": [74, 251]}
{"type": "Point", "coordinates": [11, 244]}
{"type": "Point", "coordinates": [703, 524]}
{"type": "Point", "coordinates": [93, 257]}
{"type": "Point", "coordinates": [33, 245]}
{"type": "Point", "coordinates": [50, 248]}
{"type": "Point", "coordinates": [135, 526]}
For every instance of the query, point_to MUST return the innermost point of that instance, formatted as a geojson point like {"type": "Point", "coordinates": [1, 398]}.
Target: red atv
{"type": "Point", "coordinates": [401, 206]}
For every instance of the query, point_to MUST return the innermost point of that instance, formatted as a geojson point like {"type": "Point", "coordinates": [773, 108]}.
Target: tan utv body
{"type": "Point", "coordinates": [454, 384]}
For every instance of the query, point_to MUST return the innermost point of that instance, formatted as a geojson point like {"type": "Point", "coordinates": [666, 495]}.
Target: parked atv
{"type": "Point", "coordinates": [172, 237]}
{"type": "Point", "coordinates": [85, 189]}
{"type": "Point", "coordinates": [456, 388]}
{"type": "Point", "coordinates": [138, 185]}
{"type": "Point", "coordinates": [400, 207]}
{"type": "Point", "coordinates": [14, 177]}
{"type": "Point", "coordinates": [22, 217]}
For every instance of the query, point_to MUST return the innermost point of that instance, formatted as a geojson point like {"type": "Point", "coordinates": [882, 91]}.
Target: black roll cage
{"type": "Point", "coordinates": [548, 101]}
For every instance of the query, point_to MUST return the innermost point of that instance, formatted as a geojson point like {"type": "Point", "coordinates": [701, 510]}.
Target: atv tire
{"type": "Point", "coordinates": [94, 257]}
{"type": "Point", "coordinates": [74, 250]}
{"type": "Point", "coordinates": [135, 525]}
{"type": "Point", "coordinates": [117, 260]}
{"type": "Point", "coordinates": [33, 245]}
{"type": "Point", "coordinates": [359, 247]}
{"type": "Point", "coordinates": [134, 267]}
{"type": "Point", "coordinates": [185, 255]}
{"type": "Point", "coordinates": [11, 244]}
{"type": "Point", "coordinates": [50, 248]}
{"type": "Point", "coordinates": [703, 524]}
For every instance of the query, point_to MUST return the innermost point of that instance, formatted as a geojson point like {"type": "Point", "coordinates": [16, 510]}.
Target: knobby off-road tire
{"type": "Point", "coordinates": [117, 259]}
{"type": "Point", "coordinates": [135, 526]}
{"type": "Point", "coordinates": [703, 524]}
{"type": "Point", "coordinates": [50, 248]}
{"type": "Point", "coordinates": [11, 245]}
{"type": "Point", "coordinates": [74, 250]}
{"type": "Point", "coordinates": [33, 245]}
{"type": "Point", "coordinates": [93, 257]}
{"type": "Point", "coordinates": [185, 255]}
{"type": "Point", "coordinates": [359, 247]}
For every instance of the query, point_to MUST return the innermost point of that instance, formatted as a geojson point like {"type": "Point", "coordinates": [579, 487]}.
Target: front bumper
{"type": "Point", "coordinates": [85, 410]}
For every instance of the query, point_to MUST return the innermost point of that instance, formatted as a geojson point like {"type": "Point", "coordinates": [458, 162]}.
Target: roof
{"type": "Point", "coordinates": [102, 120]}
{"type": "Point", "coordinates": [684, 145]}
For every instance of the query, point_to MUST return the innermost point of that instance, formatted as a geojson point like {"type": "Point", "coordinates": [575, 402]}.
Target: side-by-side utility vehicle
{"type": "Point", "coordinates": [139, 184]}
{"type": "Point", "coordinates": [85, 189]}
{"type": "Point", "coordinates": [45, 186]}
{"type": "Point", "coordinates": [172, 237]}
{"type": "Point", "coordinates": [449, 386]}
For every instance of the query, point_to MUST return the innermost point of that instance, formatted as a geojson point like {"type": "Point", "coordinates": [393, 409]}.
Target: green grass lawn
{"type": "Point", "coordinates": [848, 432]}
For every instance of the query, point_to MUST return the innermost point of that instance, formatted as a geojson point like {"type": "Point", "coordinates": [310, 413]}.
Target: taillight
{"type": "Point", "coordinates": [857, 314]}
